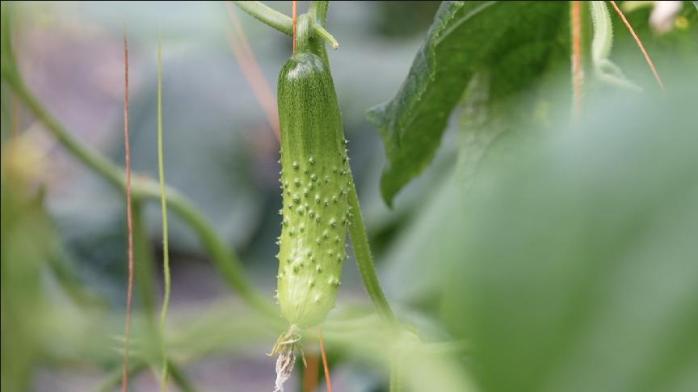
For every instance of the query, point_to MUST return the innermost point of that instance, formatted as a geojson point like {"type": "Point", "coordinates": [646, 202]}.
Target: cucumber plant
{"type": "Point", "coordinates": [502, 56]}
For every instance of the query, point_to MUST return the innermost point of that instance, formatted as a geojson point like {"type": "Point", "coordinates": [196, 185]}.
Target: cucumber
{"type": "Point", "coordinates": [315, 181]}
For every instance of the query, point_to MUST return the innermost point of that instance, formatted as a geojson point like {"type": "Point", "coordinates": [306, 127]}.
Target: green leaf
{"type": "Point", "coordinates": [510, 40]}
{"type": "Point", "coordinates": [484, 121]}
{"type": "Point", "coordinates": [570, 262]}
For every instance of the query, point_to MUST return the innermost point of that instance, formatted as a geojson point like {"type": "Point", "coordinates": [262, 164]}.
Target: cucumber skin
{"type": "Point", "coordinates": [315, 184]}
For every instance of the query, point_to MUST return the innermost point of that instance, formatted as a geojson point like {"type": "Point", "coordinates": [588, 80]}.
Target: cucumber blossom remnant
{"type": "Point", "coordinates": [315, 184]}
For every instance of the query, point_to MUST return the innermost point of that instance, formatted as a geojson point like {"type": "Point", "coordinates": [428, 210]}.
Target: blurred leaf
{"type": "Point", "coordinates": [26, 235]}
{"type": "Point", "coordinates": [220, 327]}
{"type": "Point", "coordinates": [32, 263]}
{"type": "Point", "coordinates": [7, 55]}
{"type": "Point", "coordinates": [512, 41]}
{"type": "Point", "coordinates": [484, 119]}
{"type": "Point", "coordinates": [571, 262]}
{"type": "Point", "coordinates": [423, 366]}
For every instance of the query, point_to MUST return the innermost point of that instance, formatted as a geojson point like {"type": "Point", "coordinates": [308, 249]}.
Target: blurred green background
{"type": "Point", "coordinates": [563, 257]}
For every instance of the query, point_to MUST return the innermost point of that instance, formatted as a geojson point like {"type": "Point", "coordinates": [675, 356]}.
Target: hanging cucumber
{"type": "Point", "coordinates": [315, 214]}
{"type": "Point", "coordinates": [314, 182]}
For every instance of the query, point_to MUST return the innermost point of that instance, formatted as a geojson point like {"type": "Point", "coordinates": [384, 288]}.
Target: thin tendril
{"type": "Point", "coordinates": [165, 237]}
{"type": "Point", "coordinates": [295, 24]}
{"type": "Point", "coordinates": [648, 59]}
{"type": "Point", "coordinates": [129, 223]}
{"type": "Point", "coordinates": [325, 366]}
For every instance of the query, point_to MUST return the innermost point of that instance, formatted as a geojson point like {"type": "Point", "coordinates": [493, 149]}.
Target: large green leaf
{"type": "Point", "coordinates": [571, 260]}
{"type": "Point", "coordinates": [512, 41]}
{"type": "Point", "coordinates": [484, 120]}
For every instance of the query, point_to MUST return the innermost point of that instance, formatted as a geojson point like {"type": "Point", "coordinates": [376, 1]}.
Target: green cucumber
{"type": "Point", "coordinates": [315, 181]}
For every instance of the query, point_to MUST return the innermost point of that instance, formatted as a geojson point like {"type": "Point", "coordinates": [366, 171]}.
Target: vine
{"type": "Point", "coordinates": [165, 236]}
{"type": "Point", "coordinates": [129, 224]}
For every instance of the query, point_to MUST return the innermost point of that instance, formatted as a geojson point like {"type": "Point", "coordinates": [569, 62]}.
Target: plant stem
{"type": "Point", "coordinates": [143, 264]}
{"type": "Point", "coordinates": [281, 22]}
{"type": "Point", "coordinates": [163, 198]}
{"type": "Point", "coordinates": [267, 15]}
{"type": "Point", "coordinates": [166, 277]}
{"type": "Point", "coordinates": [319, 10]}
{"type": "Point", "coordinates": [364, 259]}
{"type": "Point", "coordinates": [93, 160]}
{"type": "Point", "coordinates": [129, 225]}
{"type": "Point", "coordinates": [8, 61]}
{"type": "Point", "coordinates": [223, 257]}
